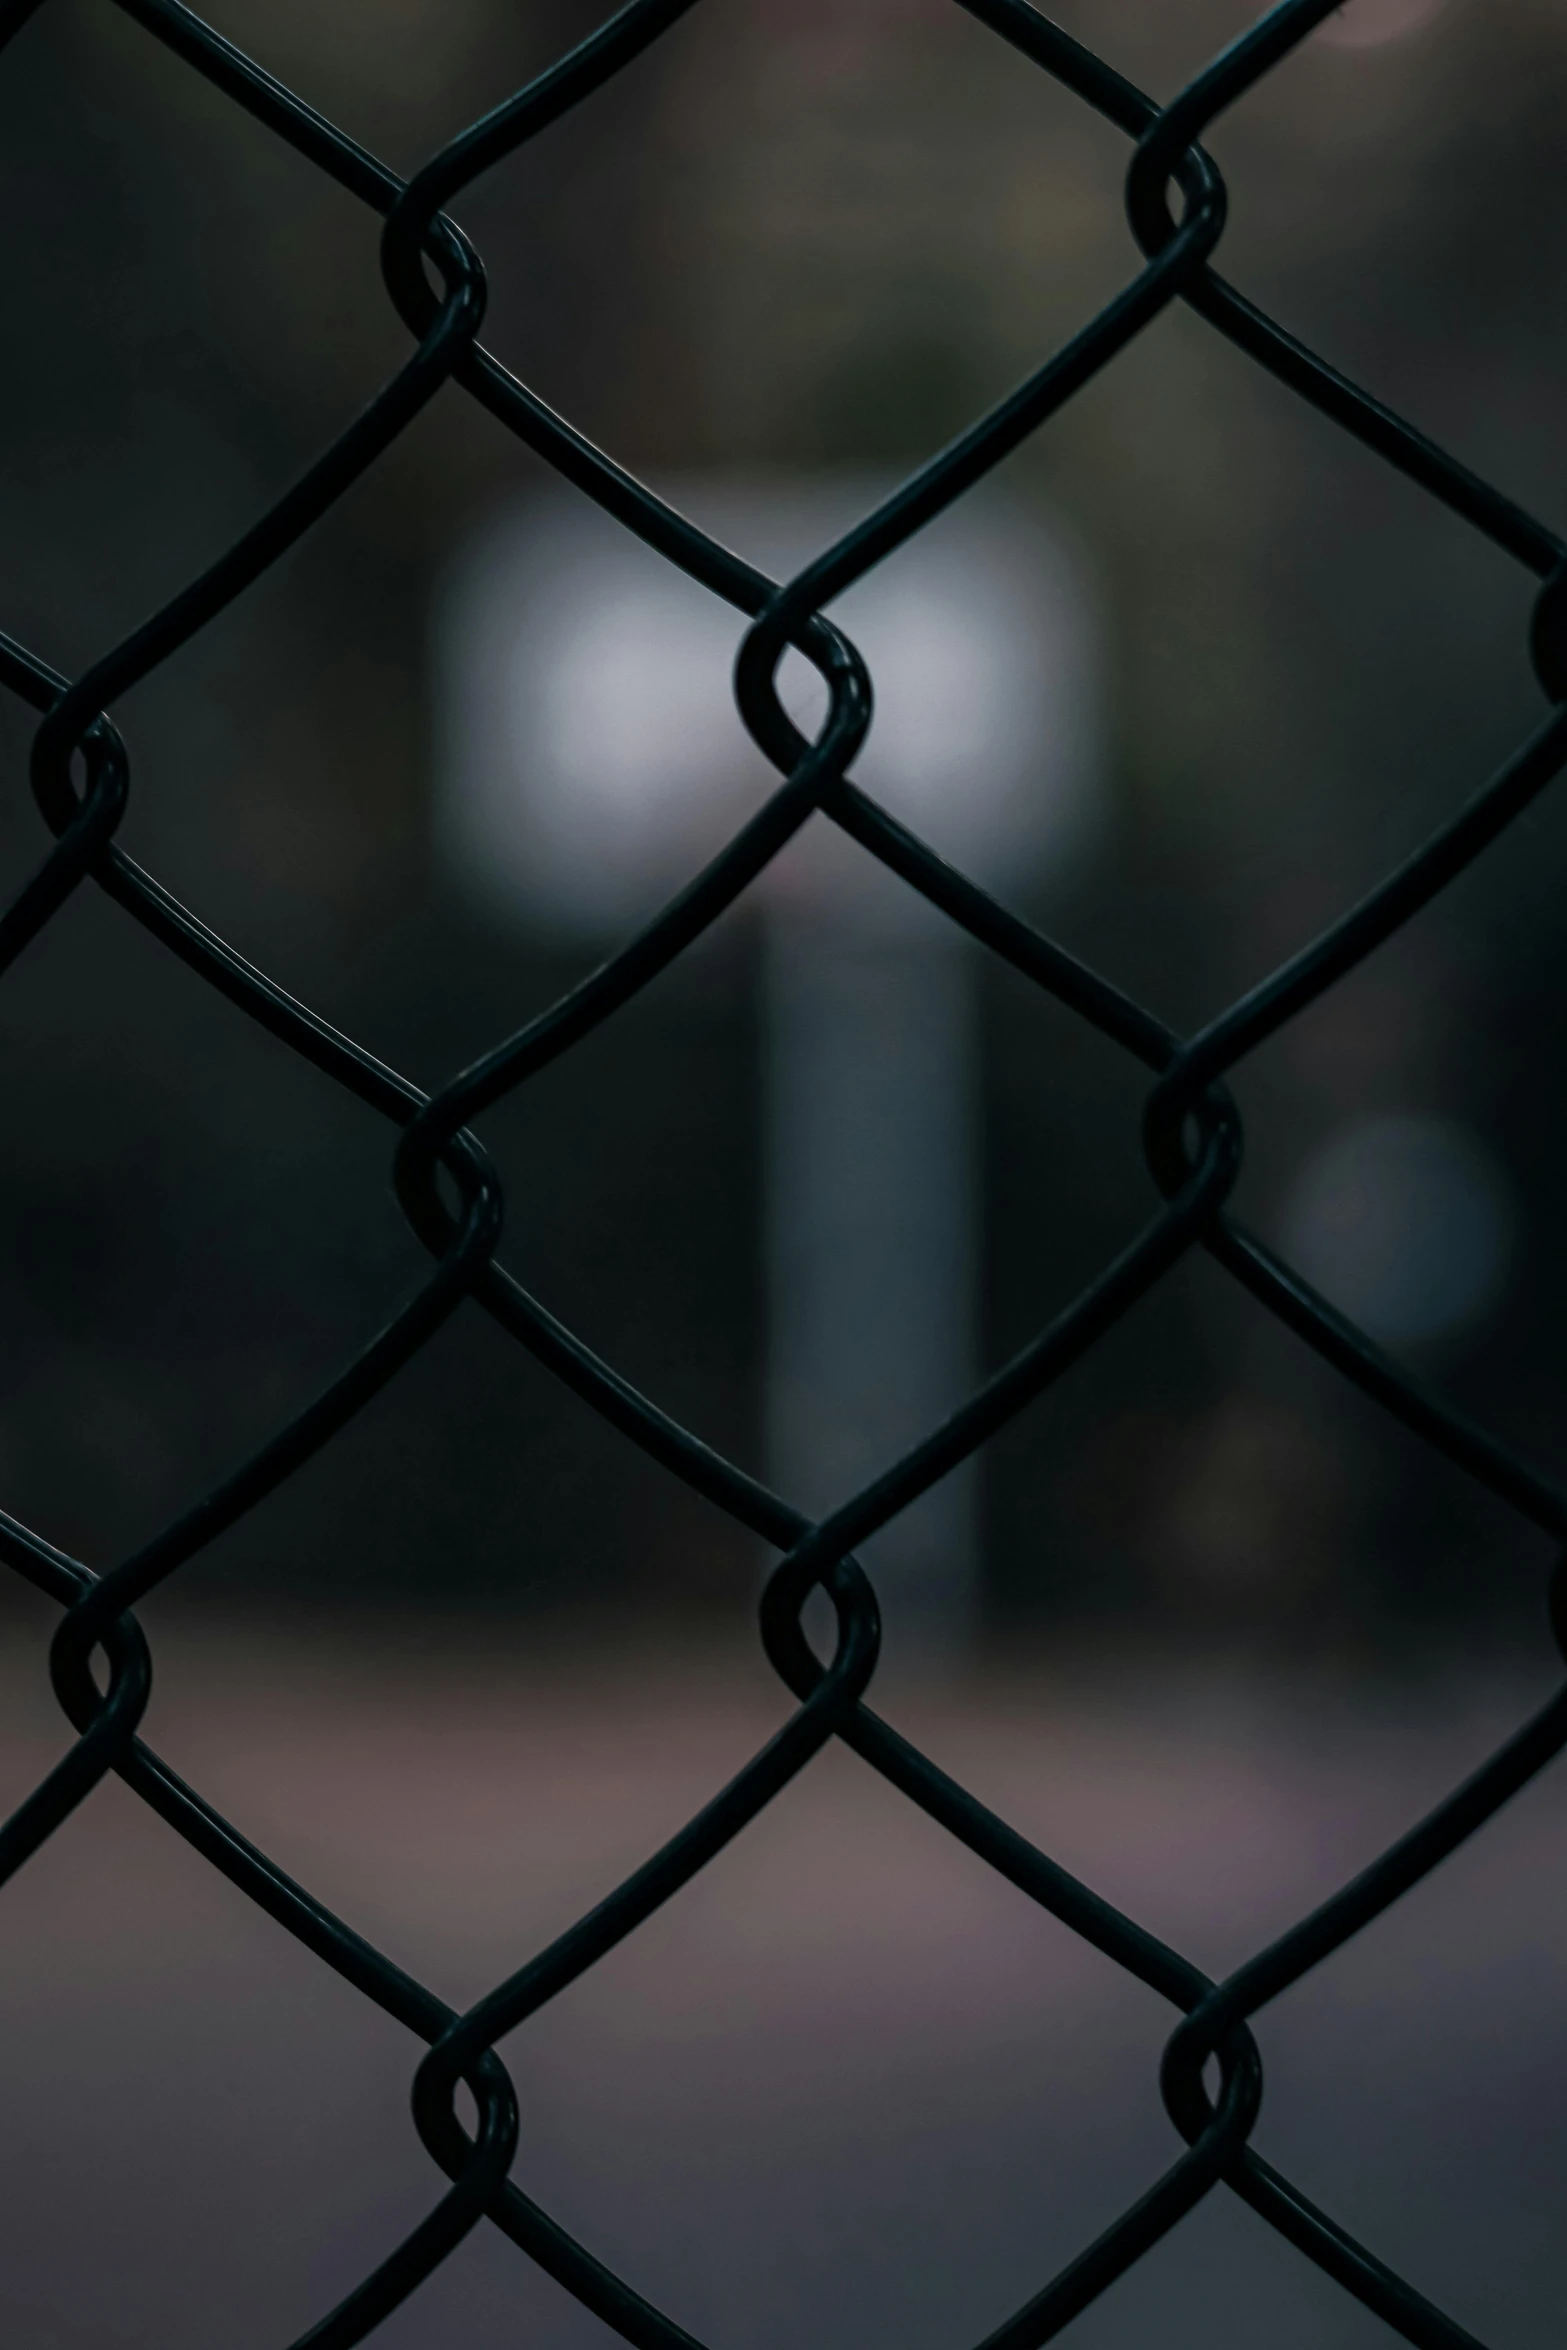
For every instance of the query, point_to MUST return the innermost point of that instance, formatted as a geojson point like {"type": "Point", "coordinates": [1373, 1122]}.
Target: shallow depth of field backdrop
{"type": "Point", "coordinates": [1234, 1628]}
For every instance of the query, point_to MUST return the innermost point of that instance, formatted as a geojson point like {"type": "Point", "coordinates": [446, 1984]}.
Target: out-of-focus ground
{"type": "Point", "coordinates": [849, 2087]}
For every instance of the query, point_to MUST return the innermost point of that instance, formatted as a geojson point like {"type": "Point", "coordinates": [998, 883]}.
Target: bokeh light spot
{"type": "Point", "coordinates": [1405, 1224]}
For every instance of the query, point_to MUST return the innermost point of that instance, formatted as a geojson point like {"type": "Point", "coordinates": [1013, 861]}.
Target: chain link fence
{"type": "Point", "coordinates": [1212, 2074]}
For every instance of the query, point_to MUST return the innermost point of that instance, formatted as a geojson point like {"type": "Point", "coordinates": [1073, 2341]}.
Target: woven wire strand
{"type": "Point", "coordinates": [100, 1664]}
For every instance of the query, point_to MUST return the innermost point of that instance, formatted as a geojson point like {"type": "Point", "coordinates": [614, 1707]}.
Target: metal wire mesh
{"type": "Point", "coordinates": [1212, 2078]}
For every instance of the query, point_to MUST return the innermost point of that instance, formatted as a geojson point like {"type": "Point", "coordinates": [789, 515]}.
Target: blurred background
{"type": "Point", "coordinates": [1222, 1626]}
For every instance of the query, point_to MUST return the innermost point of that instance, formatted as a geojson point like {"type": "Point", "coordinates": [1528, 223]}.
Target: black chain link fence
{"type": "Point", "coordinates": [1212, 2075]}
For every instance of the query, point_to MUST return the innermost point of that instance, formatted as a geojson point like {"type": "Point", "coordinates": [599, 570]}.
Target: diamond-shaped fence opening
{"type": "Point", "coordinates": [449, 1192]}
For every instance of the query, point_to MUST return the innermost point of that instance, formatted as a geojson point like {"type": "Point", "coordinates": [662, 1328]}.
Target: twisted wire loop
{"type": "Point", "coordinates": [100, 1661]}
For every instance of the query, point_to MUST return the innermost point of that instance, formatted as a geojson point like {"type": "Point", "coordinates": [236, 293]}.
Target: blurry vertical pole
{"type": "Point", "coordinates": [592, 759]}
{"type": "Point", "coordinates": [873, 1203]}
